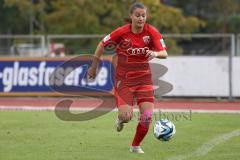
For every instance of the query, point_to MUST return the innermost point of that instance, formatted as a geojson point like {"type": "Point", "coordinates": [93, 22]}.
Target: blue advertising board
{"type": "Point", "coordinates": [32, 76]}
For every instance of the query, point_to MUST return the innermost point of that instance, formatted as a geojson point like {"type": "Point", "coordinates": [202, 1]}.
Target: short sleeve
{"type": "Point", "coordinates": [157, 41]}
{"type": "Point", "coordinates": [113, 37]}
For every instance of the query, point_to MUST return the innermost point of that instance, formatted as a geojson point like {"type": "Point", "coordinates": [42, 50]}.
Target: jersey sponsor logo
{"type": "Point", "coordinates": [162, 43]}
{"type": "Point", "coordinates": [146, 39]}
{"type": "Point", "coordinates": [105, 39]}
{"type": "Point", "coordinates": [137, 51]}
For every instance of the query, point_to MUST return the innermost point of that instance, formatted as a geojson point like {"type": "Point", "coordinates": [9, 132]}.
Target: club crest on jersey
{"type": "Point", "coordinates": [146, 39]}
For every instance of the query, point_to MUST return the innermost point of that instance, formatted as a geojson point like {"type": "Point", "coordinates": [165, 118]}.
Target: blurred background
{"type": "Point", "coordinates": [202, 37]}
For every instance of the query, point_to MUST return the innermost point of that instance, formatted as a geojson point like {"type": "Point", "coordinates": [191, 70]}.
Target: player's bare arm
{"type": "Point", "coordinates": [157, 54]}
{"type": "Point", "coordinates": [162, 54]}
{"type": "Point", "coordinates": [97, 55]}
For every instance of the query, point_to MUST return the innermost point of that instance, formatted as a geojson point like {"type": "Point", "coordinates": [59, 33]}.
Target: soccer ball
{"type": "Point", "coordinates": [164, 129]}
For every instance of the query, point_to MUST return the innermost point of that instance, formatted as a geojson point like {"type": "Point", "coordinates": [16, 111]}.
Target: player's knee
{"type": "Point", "coordinates": [146, 118]}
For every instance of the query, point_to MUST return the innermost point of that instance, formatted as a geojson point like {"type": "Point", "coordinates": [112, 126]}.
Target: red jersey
{"type": "Point", "coordinates": [131, 49]}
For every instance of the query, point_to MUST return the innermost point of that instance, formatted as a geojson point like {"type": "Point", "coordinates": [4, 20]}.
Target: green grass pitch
{"type": "Point", "coordinates": [28, 135]}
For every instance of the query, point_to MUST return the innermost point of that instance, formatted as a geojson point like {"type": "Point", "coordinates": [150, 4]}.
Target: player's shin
{"type": "Point", "coordinates": [142, 127]}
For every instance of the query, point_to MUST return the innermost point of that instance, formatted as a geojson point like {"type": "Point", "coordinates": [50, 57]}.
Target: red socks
{"type": "Point", "coordinates": [141, 132]}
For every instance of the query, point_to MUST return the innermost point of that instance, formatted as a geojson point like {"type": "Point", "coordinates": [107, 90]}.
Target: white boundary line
{"type": "Point", "coordinates": [205, 148]}
{"type": "Point", "coordinates": [51, 108]}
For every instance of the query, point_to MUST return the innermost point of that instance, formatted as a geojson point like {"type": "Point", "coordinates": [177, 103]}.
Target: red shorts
{"type": "Point", "coordinates": [128, 95]}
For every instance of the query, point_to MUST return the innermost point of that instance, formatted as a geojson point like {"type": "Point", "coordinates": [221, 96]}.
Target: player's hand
{"type": "Point", "coordinates": [151, 54]}
{"type": "Point", "coordinates": [91, 72]}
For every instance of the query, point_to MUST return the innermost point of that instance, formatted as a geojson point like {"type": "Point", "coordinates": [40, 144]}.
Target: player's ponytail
{"type": "Point", "coordinates": [132, 8]}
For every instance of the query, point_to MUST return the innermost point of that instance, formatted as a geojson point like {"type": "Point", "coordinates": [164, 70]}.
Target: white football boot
{"type": "Point", "coordinates": [136, 149]}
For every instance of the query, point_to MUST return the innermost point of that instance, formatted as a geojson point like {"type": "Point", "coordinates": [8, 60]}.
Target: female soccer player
{"type": "Point", "coordinates": [136, 43]}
